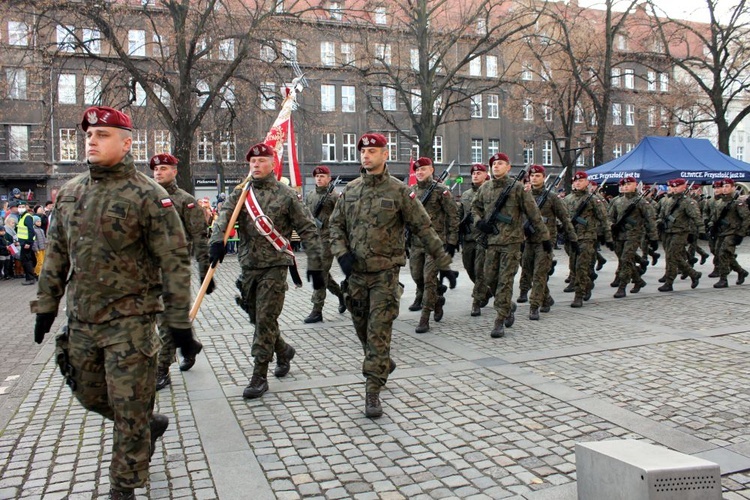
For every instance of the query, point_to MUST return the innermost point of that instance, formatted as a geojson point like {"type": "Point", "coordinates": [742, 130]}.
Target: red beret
{"type": "Point", "coordinates": [104, 116]}
{"type": "Point", "coordinates": [261, 149]}
{"type": "Point", "coordinates": [423, 161]}
{"type": "Point", "coordinates": [321, 170]}
{"type": "Point", "coordinates": [626, 180]}
{"type": "Point", "coordinates": [580, 175]}
{"type": "Point", "coordinates": [718, 184]}
{"type": "Point", "coordinates": [676, 182]}
{"type": "Point", "coordinates": [499, 156]}
{"type": "Point", "coordinates": [162, 159]}
{"type": "Point", "coordinates": [372, 140]}
{"type": "Point", "coordinates": [478, 167]}
{"type": "Point", "coordinates": [593, 183]}
{"type": "Point", "coordinates": [728, 182]}
{"type": "Point", "coordinates": [536, 169]}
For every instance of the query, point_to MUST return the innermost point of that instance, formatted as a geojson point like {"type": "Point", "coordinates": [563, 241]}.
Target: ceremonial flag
{"type": "Point", "coordinates": [412, 175]}
{"type": "Point", "coordinates": [281, 136]}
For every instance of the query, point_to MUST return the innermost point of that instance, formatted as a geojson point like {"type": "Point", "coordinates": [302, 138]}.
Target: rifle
{"type": "Point", "coordinates": [528, 228]}
{"type": "Point", "coordinates": [495, 216]}
{"type": "Point", "coordinates": [577, 219]}
{"type": "Point", "coordinates": [618, 225]}
{"type": "Point", "coordinates": [713, 232]}
{"type": "Point", "coordinates": [319, 206]}
{"type": "Point", "coordinates": [425, 198]}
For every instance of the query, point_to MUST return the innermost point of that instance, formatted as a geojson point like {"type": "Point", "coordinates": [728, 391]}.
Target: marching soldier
{"type": "Point", "coordinates": [630, 216]}
{"type": "Point", "coordinates": [367, 235]}
{"type": "Point", "coordinates": [504, 234]}
{"type": "Point", "coordinates": [729, 223]}
{"type": "Point", "coordinates": [320, 203]}
{"type": "Point", "coordinates": [707, 210]}
{"type": "Point", "coordinates": [588, 217]}
{"type": "Point", "coordinates": [265, 258]}
{"type": "Point", "coordinates": [444, 218]}
{"type": "Point", "coordinates": [679, 218]}
{"type": "Point", "coordinates": [472, 254]}
{"type": "Point", "coordinates": [117, 245]}
{"type": "Point", "coordinates": [164, 167]}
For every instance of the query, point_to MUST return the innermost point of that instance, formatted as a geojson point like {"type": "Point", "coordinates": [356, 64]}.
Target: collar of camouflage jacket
{"type": "Point", "coordinates": [124, 169]}
{"type": "Point", "coordinates": [321, 189]}
{"type": "Point", "coordinates": [171, 187]}
{"type": "Point", "coordinates": [425, 183]}
{"type": "Point", "coordinates": [501, 182]}
{"type": "Point", "coordinates": [265, 182]}
{"type": "Point", "coordinates": [375, 179]}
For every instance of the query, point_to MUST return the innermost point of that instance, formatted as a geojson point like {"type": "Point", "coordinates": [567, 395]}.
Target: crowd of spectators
{"type": "Point", "coordinates": [19, 259]}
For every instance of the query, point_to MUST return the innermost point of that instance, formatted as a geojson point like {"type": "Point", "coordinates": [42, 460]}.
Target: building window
{"type": "Point", "coordinates": [159, 48]}
{"type": "Point", "coordinates": [491, 64]}
{"type": "Point", "coordinates": [629, 147]}
{"type": "Point", "coordinates": [335, 11]}
{"type": "Point", "coordinates": [66, 40]}
{"type": "Point", "coordinates": [476, 106]}
{"type": "Point", "coordinates": [206, 147]}
{"type": "Point", "coordinates": [92, 90]}
{"type": "Point", "coordinates": [617, 150]}
{"type": "Point", "coordinates": [629, 78]}
{"type": "Point", "coordinates": [616, 113]}
{"type": "Point", "coordinates": [348, 99]}
{"type": "Point", "coordinates": [137, 43]}
{"type": "Point", "coordinates": [329, 147]}
{"type": "Point", "coordinates": [526, 73]}
{"type": "Point", "coordinates": [162, 95]}
{"type": "Point", "coordinates": [416, 101]}
{"type": "Point", "coordinates": [616, 77]}
{"type": "Point", "coordinates": [663, 82]}
{"type": "Point", "coordinates": [66, 89]}
{"type": "Point", "coordinates": [92, 40]}
{"type": "Point", "coordinates": [739, 153]}
{"type": "Point", "coordinates": [162, 141]}
{"type": "Point", "coordinates": [327, 97]}
{"type": "Point", "coordinates": [493, 106]}
{"type": "Point", "coordinates": [383, 53]}
{"type": "Point", "coordinates": [289, 50]}
{"type": "Point", "coordinates": [547, 109]}
{"type": "Point", "coordinates": [475, 66]}
{"type": "Point", "coordinates": [528, 110]}
{"type": "Point", "coordinates": [476, 151]}
{"type": "Point", "coordinates": [268, 95]}
{"type": "Point", "coordinates": [578, 114]}
{"type": "Point", "coordinates": [437, 149]}
{"type": "Point", "coordinates": [18, 34]}
{"type": "Point", "coordinates": [528, 153]}
{"type": "Point", "coordinates": [226, 49]}
{"type": "Point", "coordinates": [493, 147]}
{"type": "Point", "coordinates": [267, 54]}
{"type": "Point", "coordinates": [581, 160]}
{"type": "Point", "coordinates": [327, 53]}
{"type": "Point", "coordinates": [546, 72]}
{"type": "Point", "coordinates": [547, 153]}
{"type": "Point", "coordinates": [68, 144]}
{"type": "Point", "coordinates": [630, 115]}
{"type": "Point", "coordinates": [139, 95]}
{"type": "Point", "coordinates": [349, 142]}
{"type": "Point", "coordinates": [593, 118]}
{"type": "Point", "coordinates": [651, 81]}
{"type": "Point", "coordinates": [16, 83]}
{"type": "Point", "coordinates": [381, 15]}
{"type": "Point", "coordinates": [18, 142]}
{"type": "Point", "coordinates": [664, 118]}
{"type": "Point", "coordinates": [138, 149]}
{"type": "Point", "coordinates": [481, 26]}
{"type": "Point", "coordinates": [228, 146]}
{"type": "Point", "coordinates": [347, 53]}
{"type": "Point", "coordinates": [228, 98]}
{"type": "Point", "coordinates": [389, 99]}
{"type": "Point", "coordinates": [278, 6]}
{"type": "Point", "coordinates": [652, 116]}
{"type": "Point", "coordinates": [414, 59]}
{"type": "Point", "coordinates": [392, 145]}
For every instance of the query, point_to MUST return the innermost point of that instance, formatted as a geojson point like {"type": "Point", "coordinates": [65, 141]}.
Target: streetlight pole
{"type": "Point", "coordinates": [565, 155]}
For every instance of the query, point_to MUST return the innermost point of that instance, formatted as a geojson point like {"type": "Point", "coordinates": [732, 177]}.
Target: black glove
{"type": "Point", "coordinates": [602, 240]}
{"type": "Point", "coordinates": [450, 276]}
{"type": "Point", "coordinates": [574, 247]}
{"type": "Point", "coordinates": [346, 262]}
{"type": "Point", "coordinates": [737, 239]}
{"type": "Point", "coordinates": [450, 249]}
{"type": "Point", "coordinates": [691, 238]}
{"type": "Point", "coordinates": [211, 285]}
{"type": "Point", "coordinates": [547, 246]}
{"type": "Point", "coordinates": [186, 341]}
{"type": "Point", "coordinates": [318, 280]}
{"type": "Point", "coordinates": [654, 245]}
{"type": "Point", "coordinates": [485, 227]}
{"type": "Point", "coordinates": [43, 325]}
{"type": "Point", "coordinates": [610, 245]}
{"type": "Point", "coordinates": [216, 253]}
{"type": "Point", "coordinates": [660, 227]}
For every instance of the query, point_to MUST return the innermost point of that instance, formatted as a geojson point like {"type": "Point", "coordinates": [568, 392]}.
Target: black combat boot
{"type": "Point", "coordinates": [637, 287]}
{"type": "Point", "coordinates": [615, 283]}
{"type": "Point", "coordinates": [372, 405]}
{"type": "Point", "coordinates": [523, 296]}
{"type": "Point", "coordinates": [704, 258]}
{"type": "Point", "coordinates": [124, 494]}
{"type": "Point", "coordinates": [162, 378]}
{"type": "Point", "coordinates": [714, 273]}
{"type": "Point", "coordinates": [417, 304]}
{"type": "Point", "coordinates": [577, 301]}
{"type": "Point", "coordinates": [393, 366]}
{"type": "Point", "coordinates": [158, 425]}
{"type": "Point", "coordinates": [187, 363]}
{"type": "Point", "coordinates": [655, 258]}
{"type": "Point", "coordinates": [314, 317]}
{"type": "Point", "coordinates": [722, 283]}
{"type": "Point", "coordinates": [486, 300]}
{"type": "Point", "coordinates": [741, 276]}
{"type": "Point", "coordinates": [587, 295]}
{"type": "Point", "coordinates": [342, 304]}
{"type": "Point", "coordinates": [257, 387]}
{"type": "Point", "coordinates": [620, 293]}
{"type": "Point", "coordinates": [695, 279]}
{"type": "Point", "coordinates": [499, 330]}
{"type": "Point", "coordinates": [284, 361]}
{"type": "Point", "coordinates": [663, 279]}
{"type": "Point", "coordinates": [570, 288]}
{"type": "Point", "coordinates": [510, 318]}
{"type": "Point", "coordinates": [666, 287]}
{"type": "Point", "coordinates": [600, 261]}
{"type": "Point", "coordinates": [552, 268]}
{"type": "Point", "coordinates": [568, 279]}
{"type": "Point", "coordinates": [534, 314]}
{"type": "Point", "coordinates": [424, 323]}
{"type": "Point", "coordinates": [475, 309]}
{"type": "Point", "coordinates": [547, 305]}
{"type": "Point", "coordinates": [439, 303]}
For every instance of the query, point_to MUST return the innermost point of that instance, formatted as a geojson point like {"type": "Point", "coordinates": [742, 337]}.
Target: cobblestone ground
{"type": "Point", "coordinates": [465, 416]}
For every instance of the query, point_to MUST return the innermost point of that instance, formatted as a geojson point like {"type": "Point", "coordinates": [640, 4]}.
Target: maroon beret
{"type": "Point", "coordinates": [162, 159]}
{"type": "Point", "coordinates": [321, 170]}
{"type": "Point", "coordinates": [478, 167]}
{"type": "Point", "coordinates": [580, 175]}
{"type": "Point", "coordinates": [626, 180]}
{"type": "Point", "coordinates": [104, 116]}
{"type": "Point", "coordinates": [499, 156]}
{"type": "Point", "coordinates": [536, 169]}
{"type": "Point", "coordinates": [677, 182]}
{"type": "Point", "coordinates": [372, 140]}
{"type": "Point", "coordinates": [593, 183]}
{"type": "Point", "coordinates": [423, 161]}
{"type": "Point", "coordinates": [260, 149]}
{"type": "Point", "coordinates": [728, 182]}
{"type": "Point", "coordinates": [718, 184]}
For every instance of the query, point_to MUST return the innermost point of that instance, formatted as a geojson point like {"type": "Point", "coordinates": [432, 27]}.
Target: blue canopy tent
{"type": "Point", "coordinates": [658, 159]}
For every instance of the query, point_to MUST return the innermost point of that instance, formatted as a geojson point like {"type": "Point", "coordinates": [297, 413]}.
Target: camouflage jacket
{"type": "Point", "coordinates": [553, 210]}
{"type": "Point", "coordinates": [519, 207]}
{"type": "Point", "coordinates": [592, 219]}
{"type": "Point", "coordinates": [679, 214]}
{"type": "Point", "coordinates": [116, 242]}
{"type": "Point", "coordinates": [640, 219]}
{"type": "Point", "coordinates": [735, 220]}
{"type": "Point", "coordinates": [466, 219]}
{"type": "Point", "coordinates": [442, 210]}
{"type": "Point", "coordinates": [194, 223]}
{"type": "Point", "coordinates": [326, 210]}
{"type": "Point", "coordinates": [369, 221]}
{"type": "Point", "coordinates": [283, 206]}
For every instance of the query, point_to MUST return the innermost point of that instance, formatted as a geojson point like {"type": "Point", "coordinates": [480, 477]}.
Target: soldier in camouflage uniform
{"type": "Point", "coordinates": [367, 234]}
{"type": "Point", "coordinates": [443, 214]}
{"type": "Point", "coordinates": [678, 220]}
{"type": "Point", "coordinates": [707, 211]}
{"type": "Point", "coordinates": [536, 263]}
{"type": "Point", "coordinates": [473, 253]}
{"type": "Point", "coordinates": [728, 225]}
{"type": "Point", "coordinates": [632, 224]}
{"type": "Point", "coordinates": [313, 201]}
{"type": "Point", "coordinates": [117, 245]}
{"type": "Point", "coordinates": [588, 217]}
{"type": "Point", "coordinates": [191, 215]}
{"type": "Point", "coordinates": [264, 268]}
{"type": "Point", "coordinates": [503, 253]}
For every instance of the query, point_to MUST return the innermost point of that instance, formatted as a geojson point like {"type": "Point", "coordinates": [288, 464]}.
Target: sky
{"type": "Point", "coordinates": [695, 10]}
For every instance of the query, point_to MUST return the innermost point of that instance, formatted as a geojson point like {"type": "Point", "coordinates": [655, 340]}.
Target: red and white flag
{"type": "Point", "coordinates": [412, 175]}
{"type": "Point", "coordinates": [281, 137]}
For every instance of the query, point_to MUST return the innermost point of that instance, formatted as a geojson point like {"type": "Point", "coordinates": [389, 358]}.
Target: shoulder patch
{"type": "Point", "coordinates": [191, 205]}
{"type": "Point", "coordinates": [412, 195]}
{"type": "Point", "coordinates": [166, 202]}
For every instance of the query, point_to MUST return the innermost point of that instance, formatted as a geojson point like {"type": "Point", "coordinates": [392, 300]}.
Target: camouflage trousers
{"type": "Point", "coordinates": [727, 258]}
{"type": "Point", "coordinates": [264, 290]}
{"type": "Point", "coordinates": [627, 258]}
{"type": "Point", "coordinates": [582, 263]}
{"type": "Point", "coordinates": [424, 272]}
{"type": "Point", "coordinates": [535, 266]}
{"type": "Point", "coordinates": [472, 255]}
{"type": "Point", "coordinates": [168, 352]}
{"type": "Point", "coordinates": [500, 268]}
{"type": "Point", "coordinates": [373, 299]}
{"type": "Point", "coordinates": [114, 375]}
{"type": "Point", "coordinates": [675, 247]}
{"type": "Point", "coordinates": [319, 296]}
